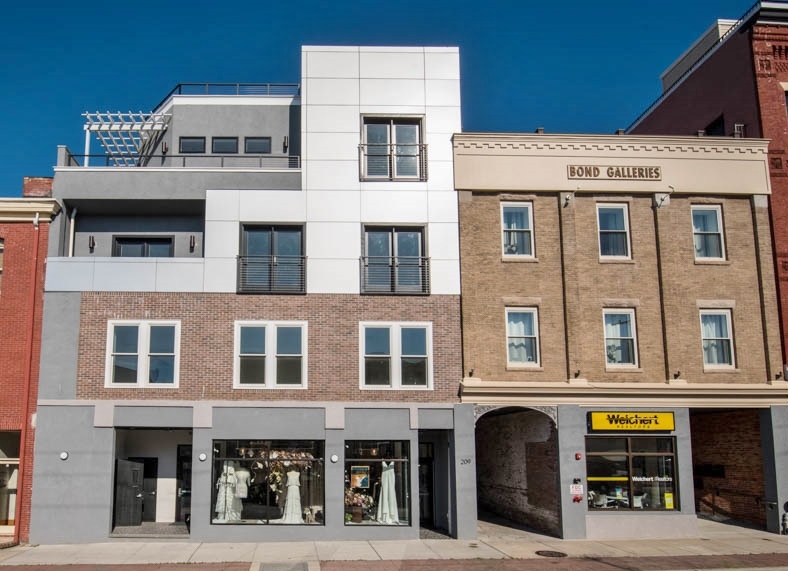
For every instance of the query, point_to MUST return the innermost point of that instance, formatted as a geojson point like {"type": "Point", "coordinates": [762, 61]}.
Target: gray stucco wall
{"type": "Point", "coordinates": [104, 229]}
{"type": "Point", "coordinates": [774, 443]}
{"type": "Point", "coordinates": [72, 498]}
{"type": "Point", "coordinates": [59, 343]}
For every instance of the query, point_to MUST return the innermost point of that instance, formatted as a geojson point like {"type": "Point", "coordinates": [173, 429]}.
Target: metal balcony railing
{"type": "Point", "coordinates": [402, 275]}
{"type": "Point", "coordinates": [271, 274]}
{"type": "Point", "coordinates": [392, 162]}
{"type": "Point", "coordinates": [187, 161]}
{"type": "Point", "coordinates": [250, 89]}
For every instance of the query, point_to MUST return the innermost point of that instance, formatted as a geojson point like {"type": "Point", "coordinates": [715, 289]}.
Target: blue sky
{"type": "Point", "coordinates": [570, 67]}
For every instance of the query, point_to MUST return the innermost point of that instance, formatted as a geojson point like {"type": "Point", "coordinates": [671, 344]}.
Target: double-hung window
{"type": "Point", "coordinates": [272, 259]}
{"type": "Point", "coordinates": [620, 338]}
{"type": "Point", "coordinates": [707, 233]}
{"type": "Point", "coordinates": [394, 261]}
{"type": "Point", "coordinates": [517, 224]}
{"type": "Point", "coordinates": [396, 355]}
{"type": "Point", "coordinates": [613, 222]}
{"type": "Point", "coordinates": [270, 354]}
{"type": "Point", "coordinates": [142, 353]}
{"type": "Point", "coordinates": [717, 338]}
{"type": "Point", "coordinates": [522, 336]}
{"type": "Point", "coordinates": [392, 149]}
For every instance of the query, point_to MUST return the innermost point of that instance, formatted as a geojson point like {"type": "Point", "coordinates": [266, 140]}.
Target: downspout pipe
{"type": "Point", "coordinates": [26, 417]}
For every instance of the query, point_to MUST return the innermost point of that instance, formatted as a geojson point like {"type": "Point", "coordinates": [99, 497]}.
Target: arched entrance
{"type": "Point", "coordinates": [517, 473]}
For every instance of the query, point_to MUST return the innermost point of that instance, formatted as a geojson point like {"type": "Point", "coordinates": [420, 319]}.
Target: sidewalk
{"type": "Point", "coordinates": [498, 547]}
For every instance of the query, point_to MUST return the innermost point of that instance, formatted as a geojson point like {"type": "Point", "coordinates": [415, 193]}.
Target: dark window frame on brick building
{"type": "Point", "coordinates": [395, 261]}
{"type": "Point", "coordinates": [395, 355]}
{"type": "Point", "coordinates": [143, 353]}
{"type": "Point", "coordinates": [270, 355]}
{"type": "Point", "coordinates": [272, 259]}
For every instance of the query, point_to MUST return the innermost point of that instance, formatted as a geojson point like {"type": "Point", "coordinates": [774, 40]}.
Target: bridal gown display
{"type": "Point", "coordinates": [387, 502]}
{"type": "Point", "coordinates": [228, 504]}
{"type": "Point", "coordinates": [293, 499]}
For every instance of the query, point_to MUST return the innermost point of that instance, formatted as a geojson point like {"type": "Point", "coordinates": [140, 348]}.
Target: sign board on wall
{"type": "Point", "coordinates": [613, 172]}
{"type": "Point", "coordinates": [631, 421]}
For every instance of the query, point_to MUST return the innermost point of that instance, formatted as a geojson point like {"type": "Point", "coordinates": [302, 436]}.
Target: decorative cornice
{"type": "Point", "coordinates": [25, 209]}
{"type": "Point", "coordinates": [609, 143]}
{"type": "Point", "coordinates": [707, 395]}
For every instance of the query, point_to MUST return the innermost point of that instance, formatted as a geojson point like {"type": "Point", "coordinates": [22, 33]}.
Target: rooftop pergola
{"type": "Point", "coordinates": [128, 138]}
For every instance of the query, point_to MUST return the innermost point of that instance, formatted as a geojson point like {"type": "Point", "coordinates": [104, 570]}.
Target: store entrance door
{"type": "Point", "coordinates": [184, 476]}
{"type": "Point", "coordinates": [426, 484]}
{"type": "Point", "coordinates": [128, 492]}
{"type": "Point", "coordinates": [150, 475]}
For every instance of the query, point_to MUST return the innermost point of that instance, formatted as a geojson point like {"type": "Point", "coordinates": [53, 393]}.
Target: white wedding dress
{"type": "Point", "coordinates": [293, 512]}
{"type": "Point", "coordinates": [228, 504]}
{"type": "Point", "coordinates": [387, 502]}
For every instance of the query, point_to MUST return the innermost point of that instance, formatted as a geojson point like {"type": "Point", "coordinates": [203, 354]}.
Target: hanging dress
{"type": "Point", "coordinates": [387, 502]}
{"type": "Point", "coordinates": [228, 506]}
{"type": "Point", "coordinates": [293, 499]}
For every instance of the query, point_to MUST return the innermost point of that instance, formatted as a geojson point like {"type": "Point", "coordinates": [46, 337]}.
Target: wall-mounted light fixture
{"type": "Point", "coordinates": [285, 144]}
{"type": "Point", "coordinates": [470, 373]}
{"type": "Point", "coordinates": [91, 243]}
{"type": "Point", "coordinates": [164, 148]}
{"type": "Point", "coordinates": [677, 374]}
{"type": "Point", "coordinates": [577, 373]}
{"type": "Point", "coordinates": [192, 242]}
{"type": "Point", "coordinates": [202, 457]}
{"type": "Point", "coordinates": [64, 455]}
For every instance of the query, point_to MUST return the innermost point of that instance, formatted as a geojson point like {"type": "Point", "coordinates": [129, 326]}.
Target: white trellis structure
{"type": "Point", "coordinates": [127, 138]}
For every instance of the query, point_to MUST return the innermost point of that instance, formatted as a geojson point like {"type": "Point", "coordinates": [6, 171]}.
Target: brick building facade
{"type": "Point", "coordinates": [732, 82]}
{"type": "Point", "coordinates": [613, 286]}
{"type": "Point", "coordinates": [24, 225]}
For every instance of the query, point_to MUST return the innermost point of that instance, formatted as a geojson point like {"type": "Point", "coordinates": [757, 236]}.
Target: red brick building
{"type": "Point", "coordinates": [732, 82]}
{"type": "Point", "coordinates": [24, 229]}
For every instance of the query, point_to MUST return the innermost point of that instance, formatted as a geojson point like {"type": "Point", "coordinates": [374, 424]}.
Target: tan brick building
{"type": "Point", "coordinates": [615, 290]}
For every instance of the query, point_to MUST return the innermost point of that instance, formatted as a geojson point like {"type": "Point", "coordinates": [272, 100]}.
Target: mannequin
{"type": "Point", "coordinates": [228, 505]}
{"type": "Point", "coordinates": [242, 477]}
{"type": "Point", "coordinates": [388, 512]}
{"type": "Point", "coordinates": [293, 499]}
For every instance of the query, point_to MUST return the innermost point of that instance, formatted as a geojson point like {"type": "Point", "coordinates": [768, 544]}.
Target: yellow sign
{"type": "Point", "coordinates": [668, 501]}
{"type": "Point", "coordinates": [632, 421]}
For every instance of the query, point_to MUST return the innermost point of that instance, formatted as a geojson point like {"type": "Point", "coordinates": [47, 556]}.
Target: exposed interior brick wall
{"type": "Point", "coordinates": [517, 468]}
{"type": "Point", "coordinates": [729, 442]}
{"type": "Point", "coordinates": [206, 348]}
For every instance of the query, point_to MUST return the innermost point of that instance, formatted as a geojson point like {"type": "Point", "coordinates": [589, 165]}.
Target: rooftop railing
{"type": "Point", "coordinates": [250, 89]}
{"type": "Point", "coordinates": [191, 161]}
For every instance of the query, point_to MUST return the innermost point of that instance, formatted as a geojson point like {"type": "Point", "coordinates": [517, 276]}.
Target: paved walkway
{"type": "Point", "coordinates": [502, 548]}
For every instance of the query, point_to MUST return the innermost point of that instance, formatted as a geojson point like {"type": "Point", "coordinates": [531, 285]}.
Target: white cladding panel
{"type": "Point", "coordinates": [394, 92]}
{"type": "Point", "coordinates": [220, 275]}
{"type": "Point", "coordinates": [443, 207]}
{"type": "Point", "coordinates": [331, 175]}
{"type": "Point", "coordinates": [184, 276]}
{"type": "Point", "coordinates": [333, 240]}
{"type": "Point", "coordinates": [124, 276]}
{"type": "Point", "coordinates": [445, 277]}
{"type": "Point", "coordinates": [446, 120]}
{"type": "Point", "coordinates": [334, 206]}
{"type": "Point", "coordinates": [440, 92]}
{"type": "Point", "coordinates": [331, 91]}
{"type": "Point", "coordinates": [394, 206]}
{"type": "Point", "coordinates": [332, 276]}
{"type": "Point", "coordinates": [333, 146]}
{"type": "Point", "coordinates": [392, 65]}
{"type": "Point", "coordinates": [273, 206]}
{"type": "Point", "coordinates": [443, 241]}
{"type": "Point", "coordinates": [333, 64]}
{"type": "Point", "coordinates": [443, 64]}
{"type": "Point", "coordinates": [221, 239]}
{"type": "Point", "coordinates": [332, 119]}
{"type": "Point", "coordinates": [441, 177]}
{"type": "Point", "coordinates": [221, 205]}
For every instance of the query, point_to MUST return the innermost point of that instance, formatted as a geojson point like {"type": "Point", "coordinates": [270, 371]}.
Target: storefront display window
{"type": "Point", "coordinates": [268, 482]}
{"type": "Point", "coordinates": [636, 473]}
{"type": "Point", "coordinates": [377, 482]}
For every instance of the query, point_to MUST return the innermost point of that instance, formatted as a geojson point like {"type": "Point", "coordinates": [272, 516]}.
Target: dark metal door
{"type": "Point", "coordinates": [426, 484]}
{"type": "Point", "coordinates": [128, 492]}
{"type": "Point", "coordinates": [184, 476]}
{"type": "Point", "coordinates": [149, 481]}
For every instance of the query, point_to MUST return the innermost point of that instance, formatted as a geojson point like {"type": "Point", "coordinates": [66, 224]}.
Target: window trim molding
{"type": "Point", "coordinates": [143, 358]}
{"type": "Point", "coordinates": [625, 207]}
{"type": "Point", "coordinates": [271, 354]}
{"type": "Point", "coordinates": [519, 204]}
{"type": "Point", "coordinates": [635, 350]}
{"type": "Point", "coordinates": [728, 312]}
{"type": "Point", "coordinates": [395, 352]}
{"type": "Point", "coordinates": [721, 232]}
{"type": "Point", "coordinates": [517, 364]}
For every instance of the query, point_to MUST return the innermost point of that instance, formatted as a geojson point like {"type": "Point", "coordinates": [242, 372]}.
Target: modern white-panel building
{"type": "Point", "coordinates": [252, 313]}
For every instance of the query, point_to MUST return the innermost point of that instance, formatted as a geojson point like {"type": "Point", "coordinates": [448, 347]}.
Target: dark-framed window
{"type": "Point", "coordinates": [394, 261]}
{"type": "Point", "coordinates": [257, 145]}
{"type": "Point", "coordinates": [632, 473]}
{"type": "Point", "coordinates": [272, 259]}
{"type": "Point", "coordinates": [377, 482]}
{"type": "Point", "coordinates": [259, 482]}
{"type": "Point", "coordinates": [191, 145]}
{"type": "Point", "coordinates": [143, 247]}
{"type": "Point", "coordinates": [224, 145]}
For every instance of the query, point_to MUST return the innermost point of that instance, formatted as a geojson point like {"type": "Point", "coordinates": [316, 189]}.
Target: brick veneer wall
{"type": "Point", "coordinates": [206, 348]}
{"type": "Point", "coordinates": [730, 439]}
{"type": "Point", "coordinates": [18, 280]}
{"type": "Point", "coordinates": [571, 286]}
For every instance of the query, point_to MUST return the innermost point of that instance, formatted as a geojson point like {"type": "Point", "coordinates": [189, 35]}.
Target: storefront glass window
{"type": "Point", "coordinates": [377, 482]}
{"type": "Point", "coordinates": [268, 482]}
{"type": "Point", "coordinates": [637, 473]}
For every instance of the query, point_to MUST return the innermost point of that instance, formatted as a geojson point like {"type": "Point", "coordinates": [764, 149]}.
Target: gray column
{"type": "Point", "coordinates": [571, 431]}
{"type": "Point", "coordinates": [774, 444]}
{"type": "Point", "coordinates": [463, 470]}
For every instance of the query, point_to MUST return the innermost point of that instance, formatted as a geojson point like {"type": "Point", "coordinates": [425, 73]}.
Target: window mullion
{"type": "Point", "coordinates": [271, 351]}
{"type": "Point", "coordinates": [395, 356]}
{"type": "Point", "coordinates": [143, 353]}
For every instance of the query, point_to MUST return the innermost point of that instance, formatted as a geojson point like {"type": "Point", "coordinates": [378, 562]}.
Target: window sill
{"type": "Point", "coordinates": [616, 261]}
{"type": "Point", "coordinates": [725, 370]}
{"type": "Point", "coordinates": [139, 387]}
{"type": "Point", "coordinates": [267, 388]}
{"type": "Point", "coordinates": [624, 369]}
{"type": "Point", "coordinates": [521, 368]}
{"type": "Point", "coordinates": [381, 388]}
{"type": "Point", "coordinates": [711, 262]}
{"type": "Point", "coordinates": [519, 259]}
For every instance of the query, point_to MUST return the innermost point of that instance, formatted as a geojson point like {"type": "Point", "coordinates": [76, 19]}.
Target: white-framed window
{"type": "Point", "coordinates": [716, 333]}
{"type": "Point", "coordinates": [613, 222]}
{"type": "Point", "coordinates": [707, 232]}
{"type": "Point", "coordinates": [395, 355]}
{"type": "Point", "coordinates": [517, 229]}
{"type": "Point", "coordinates": [621, 347]}
{"type": "Point", "coordinates": [270, 354]}
{"type": "Point", "coordinates": [142, 353]}
{"type": "Point", "coordinates": [522, 336]}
